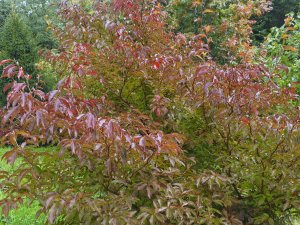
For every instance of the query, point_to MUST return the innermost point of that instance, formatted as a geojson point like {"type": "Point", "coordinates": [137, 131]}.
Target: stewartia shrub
{"type": "Point", "coordinates": [121, 120]}
{"type": "Point", "coordinates": [111, 169]}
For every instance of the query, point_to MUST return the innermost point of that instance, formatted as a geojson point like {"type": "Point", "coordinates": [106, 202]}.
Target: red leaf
{"type": "Point", "coordinates": [156, 65]}
{"type": "Point", "coordinates": [7, 86]}
{"type": "Point", "coordinates": [39, 117]}
{"type": "Point", "coordinates": [5, 61]}
{"type": "Point", "coordinates": [21, 73]}
{"type": "Point", "coordinates": [48, 201]}
{"type": "Point", "coordinates": [7, 115]}
{"type": "Point", "coordinates": [18, 86]}
{"type": "Point", "coordinates": [52, 214]}
{"type": "Point", "coordinates": [39, 93]}
{"type": "Point", "coordinates": [73, 147]}
{"type": "Point", "coordinates": [9, 71]}
{"type": "Point", "coordinates": [245, 120]}
{"type": "Point", "coordinates": [21, 175]}
{"type": "Point", "coordinates": [52, 94]}
{"type": "Point", "coordinates": [5, 209]}
{"type": "Point", "coordinates": [142, 142]}
{"type": "Point", "coordinates": [10, 156]}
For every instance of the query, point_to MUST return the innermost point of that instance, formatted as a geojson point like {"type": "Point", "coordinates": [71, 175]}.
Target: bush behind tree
{"type": "Point", "coordinates": [280, 52]}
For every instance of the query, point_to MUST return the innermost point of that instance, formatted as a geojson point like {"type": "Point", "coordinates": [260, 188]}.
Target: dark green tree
{"type": "Point", "coordinates": [36, 12]}
{"type": "Point", "coordinates": [5, 9]}
{"type": "Point", "coordinates": [17, 43]}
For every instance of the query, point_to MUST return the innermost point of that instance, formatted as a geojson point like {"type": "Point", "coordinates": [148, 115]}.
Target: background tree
{"type": "Point", "coordinates": [280, 52]}
{"type": "Point", "coordinates": [228, 25]}
{"type": "Point", "coordinates": [33, 16]}
{"type": "Point", "coordinates": [36, 14]}
{"type": "Point", "coordinates": [17, 43]}
{"type": "Point", "coordinates": [274, 18]}
{"type": "Point", "coordinates": [5, 8]}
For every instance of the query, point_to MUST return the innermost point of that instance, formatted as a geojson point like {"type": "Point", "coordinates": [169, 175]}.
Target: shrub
{"type": "Point", "coordinates": [118, 162]}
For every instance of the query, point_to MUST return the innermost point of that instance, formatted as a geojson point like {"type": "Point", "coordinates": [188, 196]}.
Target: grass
{"type": "Point", "coordinates": [25, 214]}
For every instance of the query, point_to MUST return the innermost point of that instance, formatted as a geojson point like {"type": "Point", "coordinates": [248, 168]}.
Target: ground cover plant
{"type": "Point", "coordinates": [135, 102]}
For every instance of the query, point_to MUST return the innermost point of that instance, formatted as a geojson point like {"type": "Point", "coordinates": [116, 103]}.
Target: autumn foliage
{"type": "Point", "coordinates": [135, 101]}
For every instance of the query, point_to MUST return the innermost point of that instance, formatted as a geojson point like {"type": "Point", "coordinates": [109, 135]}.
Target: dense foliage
{"type": "Point", "coordinates": [136, 99]}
